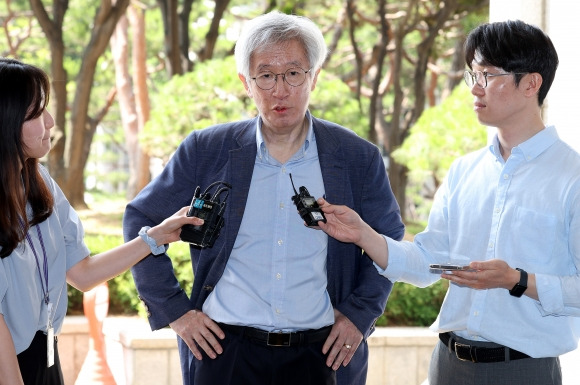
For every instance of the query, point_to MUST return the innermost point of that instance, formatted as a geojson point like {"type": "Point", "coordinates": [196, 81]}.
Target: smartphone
{"type": "Point", "coordinates": [445, 267]}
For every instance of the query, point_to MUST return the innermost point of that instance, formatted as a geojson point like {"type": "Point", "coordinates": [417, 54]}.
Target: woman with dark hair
{"type": "Point", "coordinates": [41, 236]}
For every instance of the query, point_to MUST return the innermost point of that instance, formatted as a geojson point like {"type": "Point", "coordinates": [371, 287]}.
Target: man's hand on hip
{"type": "Point", "coordinates": [199, 331]}
{"type": "Point", "coordinates": [342, 342]}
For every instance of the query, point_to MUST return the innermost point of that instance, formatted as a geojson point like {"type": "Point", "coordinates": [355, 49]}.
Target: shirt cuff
{"type": "Point", "coordinates": [549, 294]}
{"type": "Point", "coordinates": [396, 265]}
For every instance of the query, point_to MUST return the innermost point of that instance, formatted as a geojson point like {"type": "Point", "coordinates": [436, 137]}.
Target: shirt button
{"type": "Point", "coordinates": [506, 176]}
{"type": "Point", "coordinates": [281, 205]}
{"type": "Point", "coordinates": [280, 242]}
{"type": "Point", "coordinates": [278, 276]}
{"type": "Point", "coordinates": [497, 210]}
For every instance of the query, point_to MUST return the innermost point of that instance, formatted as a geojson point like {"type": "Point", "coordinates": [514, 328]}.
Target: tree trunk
{"type": "Point", "coordinates": [376, 104]}
{"type": "Point", "coordinates": [53, 31]}
{"type": "Point", "coordinates": [187, 63]}
{"type": "Point", "coordinates": [120, 51]}
{"type": "Point", "coordinates": [69, 156]}
{"type": "Point", "coordinates": [171, 36]}
{"type": "Point", "coordinates": [401, 124]}
{"type": "Point", "coordinates": [141, 159]}
{"type": "Point", "coordinates": [211, 36]}
{"type": "Point", "coordinates": [397, 172]}
{"type": "Point", "coordinates": [83, 129]}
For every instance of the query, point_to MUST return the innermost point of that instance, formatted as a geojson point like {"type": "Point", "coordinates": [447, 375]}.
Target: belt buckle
{"type": "Point", "coordinates": [463, 347]}
{"type": "Point", "coordinates": [278, 339]}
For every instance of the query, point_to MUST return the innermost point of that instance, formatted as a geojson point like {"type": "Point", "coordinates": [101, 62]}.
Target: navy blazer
{"type": "Point", "coordinates": [354, 175]}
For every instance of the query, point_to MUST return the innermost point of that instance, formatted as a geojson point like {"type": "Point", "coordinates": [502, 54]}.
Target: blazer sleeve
{"type": "Point", "coordinates": [154, 276]}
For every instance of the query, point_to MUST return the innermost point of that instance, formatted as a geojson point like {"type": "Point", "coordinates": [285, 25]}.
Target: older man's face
{"type": "Point", "coordinates": [284, 106]}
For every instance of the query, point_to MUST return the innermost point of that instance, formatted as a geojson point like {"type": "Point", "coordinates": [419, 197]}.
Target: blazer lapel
{"type": "Point", "coordinates": [332, 163]}
{"type": "Point", "coordinates": [241, 168]}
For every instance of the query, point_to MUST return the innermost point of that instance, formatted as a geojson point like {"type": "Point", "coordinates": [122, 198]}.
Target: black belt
{"type": "Point", "coordinates": [466, 352]}
{"type": "Point", "coordinates": [263, 337]}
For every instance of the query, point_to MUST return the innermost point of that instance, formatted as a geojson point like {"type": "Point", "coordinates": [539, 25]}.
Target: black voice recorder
{"type": "Point", "coordinates": [209, 208]}
{"type": "Point", "coordinates": [307, 206]}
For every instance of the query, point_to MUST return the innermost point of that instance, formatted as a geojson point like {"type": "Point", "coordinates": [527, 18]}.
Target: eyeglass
{"type": "Point", "coordinates": [480, 77]}
{"type": "Point", "coordinates": [293, 76]}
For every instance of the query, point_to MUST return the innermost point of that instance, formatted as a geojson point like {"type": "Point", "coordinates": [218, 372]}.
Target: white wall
{"type": "Point", "coordinates": [559, 19]}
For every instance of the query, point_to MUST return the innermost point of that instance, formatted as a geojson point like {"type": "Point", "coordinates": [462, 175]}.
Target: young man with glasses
{"type": "Point", "coordinates": [507, 217]}
{"type": "Point", "coordinates": [273, 301]}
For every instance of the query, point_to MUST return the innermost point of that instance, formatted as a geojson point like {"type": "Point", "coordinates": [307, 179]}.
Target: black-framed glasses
{"type": "Point", "coordinates": [293, 76]}
{"type": "Point", "coordinates": [480, 77]}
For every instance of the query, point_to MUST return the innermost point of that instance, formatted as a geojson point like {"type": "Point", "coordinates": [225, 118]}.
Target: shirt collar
{"type": "Point", "coordinates": [532, 147]}
{"type": "Point", "coordinates": [263, 150]}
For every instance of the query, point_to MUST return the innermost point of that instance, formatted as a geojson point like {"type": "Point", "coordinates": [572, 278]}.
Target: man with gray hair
{"type": "Point", "coordinates": [274, 301]}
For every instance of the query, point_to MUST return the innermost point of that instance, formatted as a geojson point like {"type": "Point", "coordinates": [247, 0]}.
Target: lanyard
{"type": "Point", "coordinates": [43, 283]}
{"type": "Point", "coordinates": [44, 286]}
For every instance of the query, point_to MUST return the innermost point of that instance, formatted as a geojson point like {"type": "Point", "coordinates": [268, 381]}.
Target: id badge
{"type": "Point", "coordinates": [50, 347]}
{"type": "Point", "coordinates": [49, 338]}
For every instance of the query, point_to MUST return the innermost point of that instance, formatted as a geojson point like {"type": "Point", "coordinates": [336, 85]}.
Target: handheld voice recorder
{"type": "Point", "coordinates": [209, 208]}
{"type": "Point", "coordinates": [307, 206]}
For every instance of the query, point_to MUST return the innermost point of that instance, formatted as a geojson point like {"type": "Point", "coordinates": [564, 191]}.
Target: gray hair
{"type": "Point", "coordinates": [273, 28]}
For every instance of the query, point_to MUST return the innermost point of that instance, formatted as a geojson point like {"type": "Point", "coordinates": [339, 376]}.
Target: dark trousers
{"type": "Point", "coordinates": [447, 369]}
{"type": "Point", "coordinates": [245, 362]}
{"type": "Point", "coordinates": [32, 363]}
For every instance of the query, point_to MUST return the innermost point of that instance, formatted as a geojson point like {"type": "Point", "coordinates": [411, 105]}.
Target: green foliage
{"type": "Point", "coordinates": [442, 134]}
{"type": "Point", "coordinates": [211, 94]}
{"type": "Point", "coordinates": [334, 101]}
{"type": "Point", "coordinates": [409, 305]}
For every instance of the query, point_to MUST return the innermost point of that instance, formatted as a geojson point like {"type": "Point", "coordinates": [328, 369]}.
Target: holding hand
{"type": "Point", "coordinates": [168, 231]}
{"type": "Point", "coordinates": [492, 274]}
{"type": "Point", "coordinates": [344, 224]}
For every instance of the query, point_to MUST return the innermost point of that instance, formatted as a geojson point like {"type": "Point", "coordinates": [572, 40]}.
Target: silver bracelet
{"type": "Point", "coordinates": [155, 250]}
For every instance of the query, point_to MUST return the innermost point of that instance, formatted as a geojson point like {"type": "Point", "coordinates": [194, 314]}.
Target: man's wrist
{"type": "Point", "coordinates": [522, 285]}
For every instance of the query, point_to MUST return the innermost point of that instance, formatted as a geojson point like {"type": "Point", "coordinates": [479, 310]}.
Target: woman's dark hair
{"type": "Point", "coordinates": [514, 46]}
{"type": "Point", "coordinates": [24, 94]}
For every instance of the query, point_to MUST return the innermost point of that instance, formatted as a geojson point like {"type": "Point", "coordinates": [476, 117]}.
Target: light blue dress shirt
{"type": "Point", "coordinates": [21, 298]}
{"type": "Point", "coordinates": [275, 278]}
{"type": "Point", "coordinates": [525, 211]}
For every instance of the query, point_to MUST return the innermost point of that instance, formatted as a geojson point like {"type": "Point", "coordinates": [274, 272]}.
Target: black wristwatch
{"type": "Point", "coordinates": [522, 285]}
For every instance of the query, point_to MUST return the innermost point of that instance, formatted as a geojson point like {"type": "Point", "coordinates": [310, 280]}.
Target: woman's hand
{"type": "Point", "coordinates": [169, 230]}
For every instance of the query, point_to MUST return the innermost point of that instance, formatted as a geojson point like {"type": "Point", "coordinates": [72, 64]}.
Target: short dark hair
{"type": "Point", "coordinates": [24, 94]}
{"type": "Point", "coordinates": [514, 46]}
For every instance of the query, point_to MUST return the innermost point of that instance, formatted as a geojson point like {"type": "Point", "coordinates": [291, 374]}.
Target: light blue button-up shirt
{"type": "Point", "coordinates": [21, 291]}
{"type": "Point", "coordinates": [525, 211]}
{"type": "Point", "coordinates": [275, 278]}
